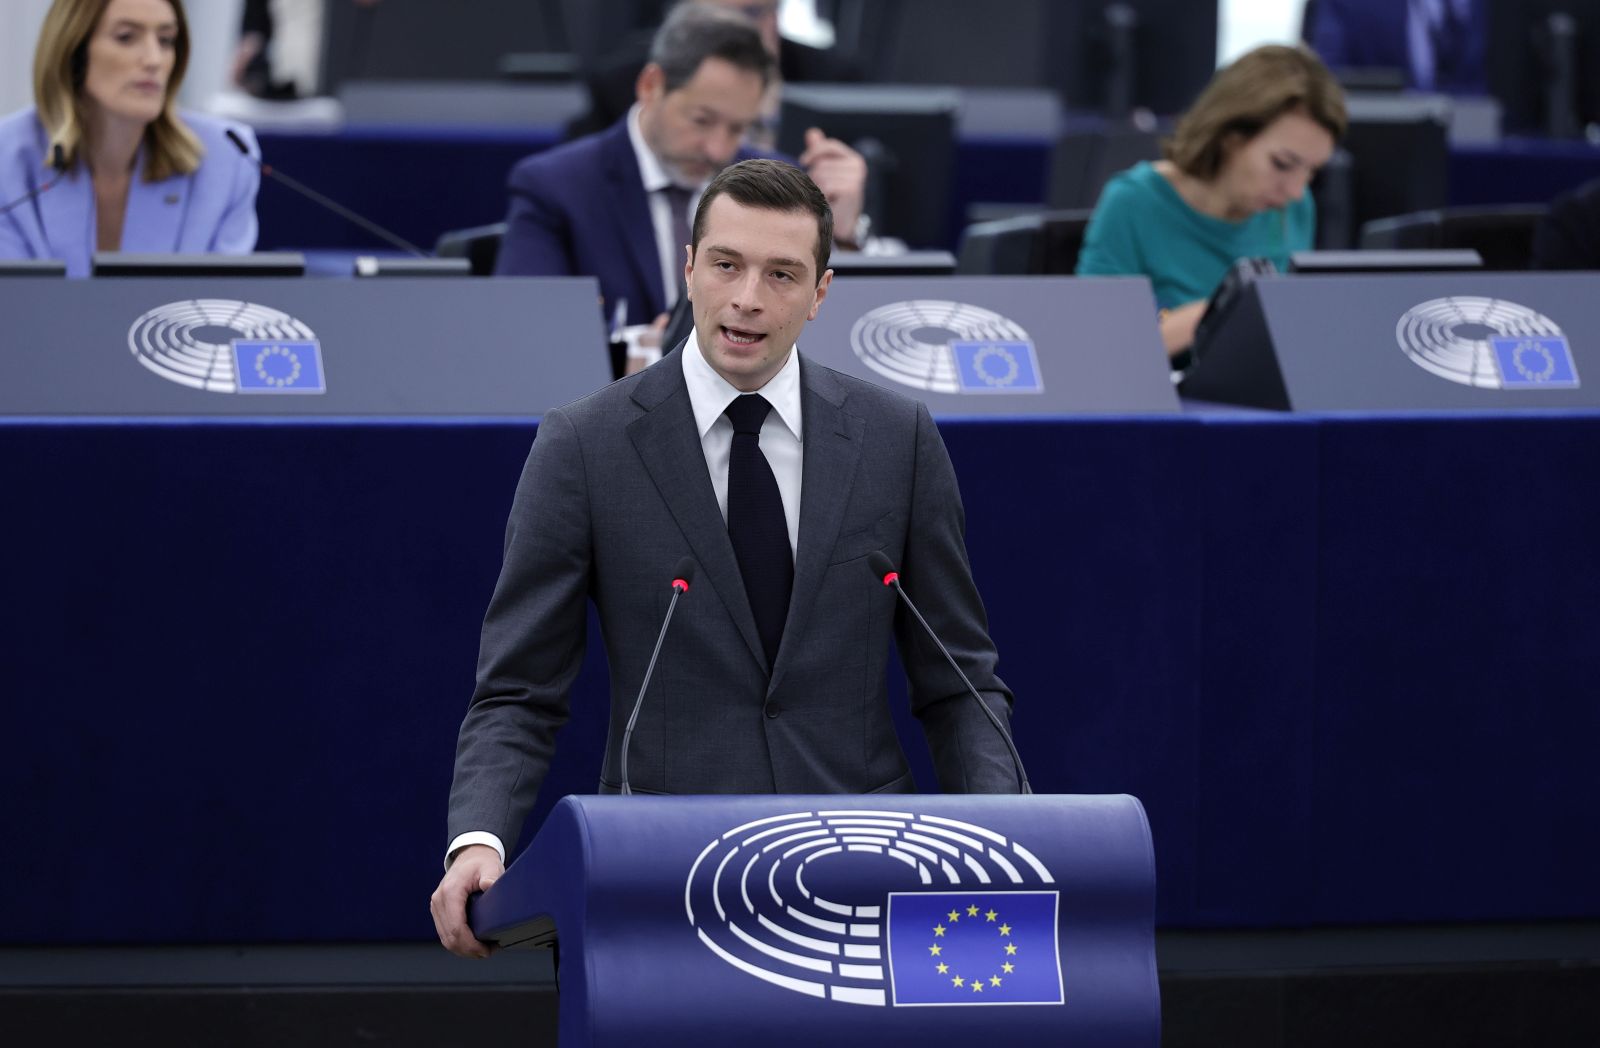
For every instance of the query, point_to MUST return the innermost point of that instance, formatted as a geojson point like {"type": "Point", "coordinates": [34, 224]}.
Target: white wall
{"type": "Point", "coordinates": [213, 31]}
{"type": "Point", "coordinates": [22, 21]}
{"type": "Point", "coordinates": [1244, 24]}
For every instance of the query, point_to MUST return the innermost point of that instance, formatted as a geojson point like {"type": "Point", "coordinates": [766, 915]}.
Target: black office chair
{"type": "Point", "coordinates": [479, 245]}
{"type": "Point", "coordinates": [1502, 234]}
{"type": "Point", "coordinates": [1084, 161]}
{"type": "Point", "coordinates": [1045, 243]}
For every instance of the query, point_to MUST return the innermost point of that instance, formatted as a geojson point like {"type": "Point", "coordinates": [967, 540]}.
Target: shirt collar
{"type": "Point", "coordinates": [710, 393]}
{"type": "Point", "coordinates": [650, 169]}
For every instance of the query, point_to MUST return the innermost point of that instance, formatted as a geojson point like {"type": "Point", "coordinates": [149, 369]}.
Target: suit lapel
{"type": "Point", "coordinates": [832, 449]}
{"type": "Point", "coordinates": [66, 216]}
{"type": "Point", "coordinates": [635, 228]}
{"type": "Point", "coordinates": [669, 445]}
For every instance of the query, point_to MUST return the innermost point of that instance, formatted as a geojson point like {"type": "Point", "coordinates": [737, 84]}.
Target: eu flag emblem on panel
{"type": "Point", "coordinates": [1535, 363]}
{"type": "Point", "coordinates": [974, 948]}
{"type": "Point", "coordinates": [997, 367]}
{"type": "Point", "coordinates": [281, 366]}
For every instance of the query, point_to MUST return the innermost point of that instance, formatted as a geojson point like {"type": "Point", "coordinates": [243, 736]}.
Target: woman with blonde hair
{"type": "Point", "coordinates": [110, 163]}
{"type": "Point", "coordinates": [1232, 185]}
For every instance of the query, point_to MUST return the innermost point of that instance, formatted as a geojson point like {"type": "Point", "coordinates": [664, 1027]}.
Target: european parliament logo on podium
{"type": "Point", "coordinates": [228, 346]}
{"type": "Point", "coordinates": [947, 347]}
{"type": "Point", "coordinates": [885, 908]}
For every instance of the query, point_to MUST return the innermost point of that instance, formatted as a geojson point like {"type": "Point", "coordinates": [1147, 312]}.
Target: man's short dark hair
{"type": "Point", "coordinates": [771, 185]}
{"type": "Point", "coordinates": [694, 32]}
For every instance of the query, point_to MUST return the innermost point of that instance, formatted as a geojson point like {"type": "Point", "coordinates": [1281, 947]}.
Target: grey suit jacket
{"type": "Point", "coordinates": [615, 491]}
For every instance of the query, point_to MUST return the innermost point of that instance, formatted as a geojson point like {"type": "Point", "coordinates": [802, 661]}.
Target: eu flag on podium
{"type": "Point", "coordinates": [278, 366]}
{"type": "Point", "coordinates": [974, 948]}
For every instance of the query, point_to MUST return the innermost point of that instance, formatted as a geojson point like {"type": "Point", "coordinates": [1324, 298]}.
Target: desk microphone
{"type": "Point", "coordinates": [322, 201]}
{"type": "Point", "coordinates": [883, 569]}
{"type": "Point", "coordinates": [682, 575]}
{"type": "Point", "coordinates": [58, 161]}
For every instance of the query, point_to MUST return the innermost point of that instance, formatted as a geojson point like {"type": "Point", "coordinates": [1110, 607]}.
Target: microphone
{"type": "Point", "coordinates": [322, 201]}
{"type": "Point", "coordinates": [58, 161]}
{"type": "Point", "coordinates": [682, 575]}
{"type": "Point", "coordinates": [884, 570]}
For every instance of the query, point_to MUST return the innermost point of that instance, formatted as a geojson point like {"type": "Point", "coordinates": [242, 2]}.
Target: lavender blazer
{"type": "Point", "coordinates": [211, 210]}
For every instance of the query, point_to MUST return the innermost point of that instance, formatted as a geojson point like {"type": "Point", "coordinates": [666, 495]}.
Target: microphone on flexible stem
{"type": "Point", "coordinates": [682, 575]}
{"type": "Point", "coordinates": [322, 201]}
{"type": "Point", "coordinates": [58, 161]}
{"type": "Point", "coordinates": [883, 569]}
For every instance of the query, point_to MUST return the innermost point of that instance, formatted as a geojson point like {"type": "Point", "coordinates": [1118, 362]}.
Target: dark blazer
{"type": "Point", "coordinates": [580, 209]}
{"type": "Point", "coordinates": [614, 493]}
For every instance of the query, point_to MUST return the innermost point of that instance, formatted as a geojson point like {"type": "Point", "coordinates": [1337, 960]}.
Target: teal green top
{"type": "Point", "coordinates": [1142, 225]}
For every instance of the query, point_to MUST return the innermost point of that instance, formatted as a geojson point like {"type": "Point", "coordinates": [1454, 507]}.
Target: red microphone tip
{"type": "Point", "coordinates": [891, 578]}
{"type": "Point", "coordinates": [680, 585]}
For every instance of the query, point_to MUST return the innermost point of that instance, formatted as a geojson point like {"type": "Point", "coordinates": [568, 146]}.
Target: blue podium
{"type": "Point", "coordinates": [905, 919]}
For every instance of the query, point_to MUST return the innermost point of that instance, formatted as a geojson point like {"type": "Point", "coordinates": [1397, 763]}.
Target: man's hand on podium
{"type": "Point", "coordinates": [474, 869]}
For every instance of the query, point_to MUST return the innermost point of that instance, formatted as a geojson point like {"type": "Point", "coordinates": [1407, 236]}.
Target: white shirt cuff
{"type": "Point", "coordinates": [475, 837]}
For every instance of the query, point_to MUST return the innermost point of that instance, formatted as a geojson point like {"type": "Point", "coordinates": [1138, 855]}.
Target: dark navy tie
{"type": "Point", "coordinates": [678, 203]}
{"type": "Point", "coordinates": [756, 523]}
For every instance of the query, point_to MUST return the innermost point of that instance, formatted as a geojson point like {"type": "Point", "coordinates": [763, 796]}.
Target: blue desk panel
{"type": "Point", "coordinates": [1348, 663]}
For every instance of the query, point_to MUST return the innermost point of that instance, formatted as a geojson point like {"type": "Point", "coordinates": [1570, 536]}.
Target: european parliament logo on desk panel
{"type": "Point", "coordinates": [1488, 343]}
{"type": "Point", "coordinates": [947, 347]}
{"type": "Point", "coordinates": [940, 912]}
{"type": "Point", "coordinates": [228, 346]}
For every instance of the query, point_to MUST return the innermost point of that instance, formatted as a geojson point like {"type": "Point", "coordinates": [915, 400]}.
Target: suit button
{"type": "Point", "coordinates": [771, 710]}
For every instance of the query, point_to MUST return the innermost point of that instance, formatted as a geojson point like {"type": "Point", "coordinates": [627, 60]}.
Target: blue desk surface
{"type": "Point", "coordinates": [1348, 663]}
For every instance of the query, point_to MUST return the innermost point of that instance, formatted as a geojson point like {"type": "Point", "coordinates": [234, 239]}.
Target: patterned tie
{"type": "Point", "coordinates": [678, 203]}
{"type": "Point", "coordinates": [756, 523]}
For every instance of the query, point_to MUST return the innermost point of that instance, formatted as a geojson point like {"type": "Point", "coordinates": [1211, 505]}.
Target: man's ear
{"type": "Point", "coordinates": [822, 293]}
{"type": "Point", "coordinates": [652, 83]}
{"type": "Point", "coordinates": [688, 271]}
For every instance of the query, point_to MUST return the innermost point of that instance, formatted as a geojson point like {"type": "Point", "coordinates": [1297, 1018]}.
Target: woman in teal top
{"type": "Point", "coordinates": [1232, 185]}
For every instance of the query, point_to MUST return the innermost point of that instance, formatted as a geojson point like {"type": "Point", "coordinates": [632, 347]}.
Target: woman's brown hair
{"type": "Point", "coordinates": [1244, 98]}
{"type": "Point", "coordinates": [60, 64]}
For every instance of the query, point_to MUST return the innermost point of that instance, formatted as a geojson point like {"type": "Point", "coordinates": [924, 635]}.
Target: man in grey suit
{"type": "Point", "coordinates": [778, 477]}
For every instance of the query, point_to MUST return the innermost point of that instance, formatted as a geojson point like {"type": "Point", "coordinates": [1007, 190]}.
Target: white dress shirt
{"type": "Point", "coordinates": [709, 396]}
{"type": "Point", "coordinates": [655, 179]}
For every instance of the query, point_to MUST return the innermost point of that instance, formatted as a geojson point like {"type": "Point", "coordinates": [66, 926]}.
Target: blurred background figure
{"type": "Point", "coordinates": [1232, 185]}
{"type": "Point", "coordinates": [280, 48]}
{"type": "Point", "coordinates": [617, 204]}
{"type": "Point", "coordinates": [133, 174]}
{"type": "Point", "coordinates": [1439, 45]}
{"type": "Point", "coordinates": [610, 80]}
